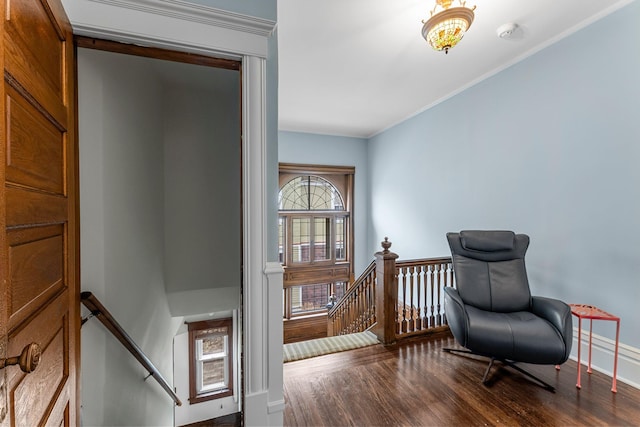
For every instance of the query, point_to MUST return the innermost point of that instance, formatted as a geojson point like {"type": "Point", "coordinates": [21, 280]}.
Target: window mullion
{"type": "Point", "coordinates": [289, 238]}
{"type": "Point", "coordinates": [287, 303]}
{"type": "Point", "coordinates": [312, 239]}
{"type": "Point", "coordinates": [332, 236]}
{"type": "Point", "coordinates": [309, 192]}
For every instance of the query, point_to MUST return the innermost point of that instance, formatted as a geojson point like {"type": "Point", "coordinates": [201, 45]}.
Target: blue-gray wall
{"type": "Point", "coordinates": [549, 147]}
{"type": "Point", "coordinates": [306, 148]}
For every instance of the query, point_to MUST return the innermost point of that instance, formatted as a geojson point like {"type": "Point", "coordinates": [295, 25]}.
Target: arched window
{"type": "Point", "coordinates": [313, 217]}
{"type": "Point", "coordinates": [314, 205]}
{"type": "Point", "coordinates": [310, 193]}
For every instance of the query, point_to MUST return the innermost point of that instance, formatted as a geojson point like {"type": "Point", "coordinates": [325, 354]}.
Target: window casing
{"type": "Point", "coordinates": [210, 360]}
{"type": "Point", "coordinates": [315, 236]}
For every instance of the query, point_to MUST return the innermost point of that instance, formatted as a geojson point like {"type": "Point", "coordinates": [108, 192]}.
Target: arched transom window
{"type": "Point", "coordinates": [310, 193]}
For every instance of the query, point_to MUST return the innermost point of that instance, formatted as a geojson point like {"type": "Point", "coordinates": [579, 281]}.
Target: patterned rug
{"type": "Point", "coordinates": [320, 346]}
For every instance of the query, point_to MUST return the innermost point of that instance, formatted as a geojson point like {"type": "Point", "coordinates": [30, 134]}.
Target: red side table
{"type": "Point", "coordinates": [582, 311]}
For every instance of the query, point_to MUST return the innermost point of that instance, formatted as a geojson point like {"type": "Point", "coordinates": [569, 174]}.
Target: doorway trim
{"type": "Point", "coordinates": [156, 24]}
{"type": "Point", "coordinates": [174, 25]}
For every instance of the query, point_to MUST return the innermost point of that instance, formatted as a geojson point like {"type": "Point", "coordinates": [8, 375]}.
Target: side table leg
{"type": "Point", "coordinates": [615, 359]}
{"type": "Point", "coordinates": [579, 350]}
{"type": "Point", "coordinates": [590, 336]}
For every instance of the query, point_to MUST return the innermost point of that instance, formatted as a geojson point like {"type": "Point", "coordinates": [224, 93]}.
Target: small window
{"type": "Point", "coordinates": [210, 360]}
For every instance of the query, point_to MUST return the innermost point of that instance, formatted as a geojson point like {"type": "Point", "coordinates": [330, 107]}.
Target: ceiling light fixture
{"type": "Point", "coordinates": [447, 27]}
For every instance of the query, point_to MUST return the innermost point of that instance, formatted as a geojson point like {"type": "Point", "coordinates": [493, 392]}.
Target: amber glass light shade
{"type": "Point", "coordinates": [446, 28]}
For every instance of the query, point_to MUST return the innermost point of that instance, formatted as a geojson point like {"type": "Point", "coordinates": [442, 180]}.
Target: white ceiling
{"type": "Point", "coordinates": [358, 67]}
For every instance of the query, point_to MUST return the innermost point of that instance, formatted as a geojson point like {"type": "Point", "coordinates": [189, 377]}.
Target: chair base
{"type": "Point", "coordinates": [510, 363]}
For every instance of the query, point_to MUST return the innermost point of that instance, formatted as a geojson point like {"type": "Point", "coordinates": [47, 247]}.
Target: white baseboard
{"type": "Point", "coordinates": [602, 353]}
{"type": "Point", "coordinates": [274, 407]}
{"type": "Point", "coordinates": [260, 412]}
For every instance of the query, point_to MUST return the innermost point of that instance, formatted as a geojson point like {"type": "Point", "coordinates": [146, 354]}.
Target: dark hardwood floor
{"type": "Point", "coordinates": [417, 384]}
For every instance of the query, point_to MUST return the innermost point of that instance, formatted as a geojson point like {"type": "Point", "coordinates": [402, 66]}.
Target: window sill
{"type": "Point", "coordinates": [306, 316]}
{"type": "Point", "coordinates": [212, 395]}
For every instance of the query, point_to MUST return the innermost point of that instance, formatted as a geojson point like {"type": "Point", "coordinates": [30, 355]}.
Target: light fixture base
{"type": "Point", "coordinates": [505, 31]}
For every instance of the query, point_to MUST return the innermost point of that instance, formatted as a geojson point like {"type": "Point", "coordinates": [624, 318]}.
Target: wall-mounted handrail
{"type": "Point", "coordinates": [99, 311]}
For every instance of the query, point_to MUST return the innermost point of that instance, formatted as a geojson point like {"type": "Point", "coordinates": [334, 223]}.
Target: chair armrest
{"type": "Point", "coordinates": [456, 315]}
{"type": "Point", "coordinates": [558, 314]}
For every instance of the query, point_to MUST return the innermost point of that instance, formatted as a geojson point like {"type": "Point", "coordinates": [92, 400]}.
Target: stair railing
{"type": "Point", "coordinates": [99, 311]}
{"type": "Point", "coordinates": [421, 284]}
{"type": "Point", "coordinates": [410, 295]}
{"type": "Point", "coordinates": [395, 299]}
{"type": "Point", "coordinates": [356, 310]}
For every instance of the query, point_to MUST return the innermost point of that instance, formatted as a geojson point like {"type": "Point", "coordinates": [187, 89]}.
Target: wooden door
{"type": "Point", "coordinates": [38, 214]}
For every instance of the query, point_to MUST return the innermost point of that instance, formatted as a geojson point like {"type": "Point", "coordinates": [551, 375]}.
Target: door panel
{"type": "Point", "coordinates": [35, 269]}
{"type": "Point", "coordinates": [35, 146]}
{"type": "Point", "coordinates": [38, 214]}
{"type": "Point", "coordinates": [25, 206]}
{"type": "Point", "coordinates": [35, 53]}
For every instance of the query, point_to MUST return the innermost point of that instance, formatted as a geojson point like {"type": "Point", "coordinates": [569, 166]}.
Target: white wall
{"type": "Point", "coordinates": [202, 164]}
{"type": "Point", "coordinates": [202, 159]}
{"type": "Point", "coordinates": [272, 148]}
{"type": "Point", "coordinates": [314, 149]}
{"type": "Point", "coordinates": [548, 147]}
{"type": "Point", "coordinates": [122, 227]}
{"type": "Point", "coordinates": [92, 231]}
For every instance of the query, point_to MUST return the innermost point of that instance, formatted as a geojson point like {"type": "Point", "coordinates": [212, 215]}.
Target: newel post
{"type": "Point", "coordinates": [386, 294]}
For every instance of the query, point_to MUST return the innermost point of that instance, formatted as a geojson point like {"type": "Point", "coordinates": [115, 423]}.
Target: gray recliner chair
{"type": "Point", "coordinates": [491, 311]}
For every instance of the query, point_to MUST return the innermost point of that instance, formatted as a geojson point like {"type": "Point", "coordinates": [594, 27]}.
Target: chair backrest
{"type": "Point", "coordinates": [489, 269]}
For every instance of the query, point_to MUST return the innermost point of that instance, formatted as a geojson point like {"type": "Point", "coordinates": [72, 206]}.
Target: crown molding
{"type": "Point", "coordinates": [198, 13]}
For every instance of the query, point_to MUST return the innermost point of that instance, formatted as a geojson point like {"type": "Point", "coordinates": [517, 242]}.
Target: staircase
{"type": "Point", "coordinates": [394, 299]}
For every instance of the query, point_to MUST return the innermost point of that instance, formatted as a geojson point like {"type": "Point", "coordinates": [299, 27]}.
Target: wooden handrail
{"type": "Point", "coordinates": [423, 261]}
{"type": "Point", "coordinates": [99, 311]}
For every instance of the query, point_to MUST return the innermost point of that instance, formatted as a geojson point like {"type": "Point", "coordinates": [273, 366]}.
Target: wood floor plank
{"type": "Point", "coordinates": [415, 383]}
